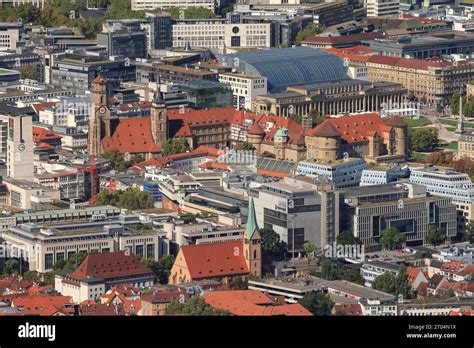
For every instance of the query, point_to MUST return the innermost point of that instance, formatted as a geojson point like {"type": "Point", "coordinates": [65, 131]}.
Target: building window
{"type": "Point", "coordinates": [150, 251]}
{"type": "Point", "coordinates": [48, 261]}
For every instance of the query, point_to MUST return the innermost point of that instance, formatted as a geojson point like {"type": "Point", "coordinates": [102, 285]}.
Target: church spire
{"type": "Point", "coordinates": [251, 226]}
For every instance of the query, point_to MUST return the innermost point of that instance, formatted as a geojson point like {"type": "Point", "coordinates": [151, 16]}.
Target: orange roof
{"type": "Point", "coordinates": [132, 135]}
{"type": "Point", "coordinates": [214, 165]}
{"type": "Point", "coordinates": [215, 259]}
{"type": "Point", "coordinates": [41, 135]}
{"type": "Point", "coordinates": [43, 106]}
{"type": "Point", "coordinates": [421, 64]}
{"type": "Point", "coordinates": [99, 79]}
{"type": "Point", "coordinates": [34, 304]}
{"type": "Point", "coordinates": [109, 265]}
{"type": "Point", "coordinates": [256, 129]}
{"type": "Point", "coordinates": [352, 129]}
{"type": "Point", "coordinates": [251, 302]}
{"type": "Point", "coordinates": [272, 173]}
{"type": "Point", "coordinates": [412, 273]}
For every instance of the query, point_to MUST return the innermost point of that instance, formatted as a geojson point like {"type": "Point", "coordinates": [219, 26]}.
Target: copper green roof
{"type": "Point", "coordinates": [252, 226]}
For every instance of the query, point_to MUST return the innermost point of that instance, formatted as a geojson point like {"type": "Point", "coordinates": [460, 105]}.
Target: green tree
{"type": "Point", "coordinates": [386, 283]}
{"type": "Point", "coordinates": [174, 146]}
{"type": "Point", "coordinates": [59, 265]}
{"type": "Point", "coordinates": [272, 245]}
{"type": "Point", "coordinates": [401, 282]}
{"type": "Point", "coordinates": [195, 306]}
{"type": "Point", "coordinates": [309, 30]}
{"type": "Point", "coordinates": [328, 269]}
{"type": "Point", "coordinates": [347, 238]}
{"type": "Point", "coordinates": [160, 268]}
{"type": "Point", "coordinates": [116, 159]}
{"type": "Point", "coordinates": [391, 238]}
{"type": "Point", "coordinates": [12, 266]}
{"type": "Point", "coordinates": [75, 260]}
{"type": "Point", "coordinates": [317, 303]}
{"type": "Point", "coordinates": [435, 236]}
{"type": "Point", "coordinates": [238, 284]}
{"type": "Point", "coordinates": [468, 235]}
{"type": "Point", "coordinates": [32, 276]}
{"type": "Point", "coordinates": [131, 198]}
{"type": "Point", "coordinates": [244, 147]}
{"type": "Point", "coordinates": [267, 154]}
{"type": "Point", "coordinates": [29, 72]}
{"type": "Point", "coordinates": [422, 139]}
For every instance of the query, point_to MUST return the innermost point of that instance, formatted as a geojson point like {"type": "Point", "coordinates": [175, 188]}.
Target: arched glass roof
{"type": "Point", "coordinates": [289, 66]}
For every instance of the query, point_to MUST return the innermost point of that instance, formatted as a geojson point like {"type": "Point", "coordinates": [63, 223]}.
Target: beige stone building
{"type": "Point", "coordinates": [430, 80]}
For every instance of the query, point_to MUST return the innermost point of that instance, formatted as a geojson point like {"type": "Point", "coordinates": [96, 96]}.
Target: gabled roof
{"type": "Point", "coordinates": [215, 259]}
{"type": "Point", "coordinates": [396, 121]}
{"type": "Point", "coordinates": [132, 135]}
{"type": "Point", "coordinates": [251, 302]}
{"type": "Point", "coordinates": [256, 129]}
{"type": "Point", "coordinates": [41, 135]}
{"type": "Point", "coordinates": [109, 265]}
{"type": "Point", "coordinates": [351, 128]}
{"type": "Point", "coordinates": [99, 79]}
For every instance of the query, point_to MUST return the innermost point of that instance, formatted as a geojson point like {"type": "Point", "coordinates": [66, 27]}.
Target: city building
{"type": "Point", "coordinates": [244, 88]}
{"type": "Point", "coordinates": [145, 5]}
{"type": "Point", "coordinates": [466, 144]}
{"type": "Point", "coordinates": [41, 245]}
{"type": "Point", "coordinates": [373, 269]}
{"type": "Point", "coordinates": [203, 94]}
{"type": "Point", "coordinates": [342, 41]}
{"type": "Point", "coordinates": [371, 209]}
{"type": "Point", "coordinates": [20, 148]}
{"type": "Point", "coordinates": [342, 173]}
{"type": "Point", "coordinates": [365, 136]}
{"type": "Point", "coordinates": [298, 211]}
{"type": "Point", "coordinates": [432, 80]}
{"type": "Point", "coordinates": [446, 182]}
{"type": "Point", "coordinates": [284, 67]}
{"type": "Point", "coordinates": [424, 46]}
{"type": "Point", "coordinates": [100, 272]}
{"type": "Point", "coordinates": [330, 98]}
{"type": "Point", "coordinates": [77, 72]}
{"type": "Point", "coordinates": [380, 8]}
{"type": "Point", "coordinates": [123, 38]}
{"type": "Point", "coordinates": [383, 174]}
{"type": "Point", "coordinates": [10, 35]}
{"type": "Point", "coordinates": [218, 33]}
{"type": "Point", "coordinates": [9, 76]}
{"type": "Point", "coordinates": [225, 260]}
{"type": "Point", "coordinates": [159, 30]}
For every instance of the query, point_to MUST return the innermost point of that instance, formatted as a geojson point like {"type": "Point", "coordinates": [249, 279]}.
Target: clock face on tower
{"type": "Point", "coordinates": [102, 110]}
{"type": "Point", "coordinates": [22, 147]}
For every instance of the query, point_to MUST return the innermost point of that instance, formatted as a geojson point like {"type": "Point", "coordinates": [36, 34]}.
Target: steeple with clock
{"type": "Point", "coordinates": [20, 148]}
{"type": "Point", "coordinates": [99, 121]}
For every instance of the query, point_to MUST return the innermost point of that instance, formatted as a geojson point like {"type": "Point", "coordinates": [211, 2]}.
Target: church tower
{"type": "Point", "coordinates": [159, 120]}
{"type": "Point", "coordinates": [99, 121]}
{"type": "Point", "coordinates": [252, 243]}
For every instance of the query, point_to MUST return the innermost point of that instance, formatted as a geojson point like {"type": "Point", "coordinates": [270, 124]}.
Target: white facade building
{"type": "Point", "coordinates": [244, 88]}
{"type": "Point", "coordinates": [216, 34]}
{"type": "Point", "coordinates": [144, 5]}
{"type": "Point", "coordinates": [378, 8]}
{"type": "Point", "coordinates": [343, 173]}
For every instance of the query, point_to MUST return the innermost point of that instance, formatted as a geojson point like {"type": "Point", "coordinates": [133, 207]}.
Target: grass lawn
{"type": "Point", "coordinates": [453, 145]}
{"type": "Point", "coordinates": [420, 122]}
{"type": "Point", "coordinates": [454, 123]}
{"type": "Point", "coordinates": [450, 129]}
{"type": "Point", "coordinates": [419, 155]}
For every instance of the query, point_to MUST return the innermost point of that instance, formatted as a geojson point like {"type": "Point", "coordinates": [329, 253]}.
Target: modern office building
{"type": "Point", "coordinates": [43, 244]}
{"type": "Point", "coordinates": [446, 182]}
{"type": "Point", "coordinates": [298, 211]}
{"type": "Point", "coordinates": [341, 174]}
{"type": "Point", "coordinates": [330, 98]}
{"type": "Point", "coordinates": [146, 5]}
{"type": "Point", "coordinates": [20, 148]}
{"type": "Point", "coordinates": [218, 34]}
{"type": "Point", "coordinates": [9, 76]}
{"type": "Point", "coordinates": [380, 8]}
{"type": "Point", "coordinates": [424, 46]}
{"type": "Point", "coordinates": [159, 30]}
{"type": "Point", "coordinates": [10, 35]}
{"type": "Point", "coordinates": [244, 88]}
{"type": "Point", "coordinates": [123, 38]}
{"type": "Point", "coordinates": [202, 94]}
{"type": "Point", "coordinates": [77, 72]}
{"type": "Point", "coordinates": [383, 174]}
{"type": "Point", "coordinates": [369, 210]}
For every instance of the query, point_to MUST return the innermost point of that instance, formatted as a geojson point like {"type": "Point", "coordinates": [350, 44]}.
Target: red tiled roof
{"type": "Point", "coordinates": [36, 303]}
{"type": "Point", "coordinates": [420, 64]}
{"type": "Point", "coordinates": [396, 121]}
{"type": "Point", "coordinates": [109, 265]}
{"type": "Point", "coordinates": [99, 79]}
{"type": "Point", "coordinates": [256, 129]}
{"type": "Point", "coordinates": [412, 273]}
{"type": "Point", "coordinates": [325, 129]}
{"type": "Point", "coordinates": [92, 309]}
{"type": "Point", "coordinates": [132, 135]}
{"type": "Point", "coordinates": [214, 165]}
{"type": "Point", "coordinates": [272, 173]}
{"type": "Point", "coordinates": [343, 39]}
{"type": "Point", "coordinates": [43, 106]}
{"type": "Point", "coordinates": [215, 259]}
{"type": "Point", "coordinates": [134, 106]}
{"type": "Point", "coordinates": [41, 135]}
{"type": "Point", "coordinates": [352, 129]}
{"type": "Point", "coordinates": [348, 309]}
{"type": "Point", "coordinates": [251, 302]}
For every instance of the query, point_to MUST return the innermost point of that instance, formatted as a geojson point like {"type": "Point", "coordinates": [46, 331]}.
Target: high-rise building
{"type": "Point", "coordinates": [379, 8]}
{"type": "Point", "coordinates": [123, 38]}
{"type": "Point", "coordinates": [20, 148]}
{"type": "Point", "coordinates": [159, 30]}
